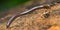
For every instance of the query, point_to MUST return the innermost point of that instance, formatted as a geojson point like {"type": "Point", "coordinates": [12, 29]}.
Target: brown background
{"type": "Point", "coordinates": [34, 20]}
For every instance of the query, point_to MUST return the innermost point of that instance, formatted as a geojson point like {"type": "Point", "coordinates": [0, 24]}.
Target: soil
{"type": "Point", "coordinates": [40, 19]}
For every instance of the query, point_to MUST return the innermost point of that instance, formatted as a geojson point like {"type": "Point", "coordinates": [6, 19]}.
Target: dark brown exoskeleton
{"type": "Point", "coordinates": [33, 7]}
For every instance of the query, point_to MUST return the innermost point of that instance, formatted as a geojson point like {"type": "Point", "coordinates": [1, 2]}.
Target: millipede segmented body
{"type": "Point", "coordinates": [28, 10]}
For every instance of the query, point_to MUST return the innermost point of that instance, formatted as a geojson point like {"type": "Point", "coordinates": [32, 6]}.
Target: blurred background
{"type": "Point", "coordinates": [7, 4]}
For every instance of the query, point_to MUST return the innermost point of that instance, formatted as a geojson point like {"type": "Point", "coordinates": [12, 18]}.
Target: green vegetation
{"type": "Point", "coordinates": [6, 4]}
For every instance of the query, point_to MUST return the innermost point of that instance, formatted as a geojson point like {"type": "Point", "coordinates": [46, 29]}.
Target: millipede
{"type": "Point", "coordinates": [48, 2]}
